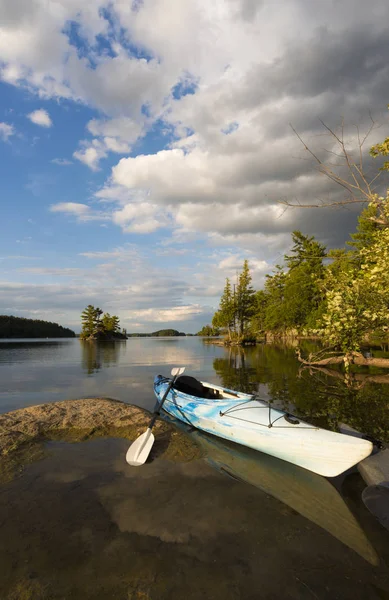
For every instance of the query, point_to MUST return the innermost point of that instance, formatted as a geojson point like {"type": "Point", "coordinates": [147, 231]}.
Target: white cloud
{"type": "Point", "coordinates": [6, 131]}
{"type": "Point", "coordinates": [141, 217]}
{"type": "Point", "coordinates": [71, 208]}
{"type": "Point", "coordinates": [112, 135]}
{"type": "Point", "coordinates": [40, 117]}
{"type": "Point", "coordinates": [165, 315]}
{"type": "Point", "coordinates": [90, 154]}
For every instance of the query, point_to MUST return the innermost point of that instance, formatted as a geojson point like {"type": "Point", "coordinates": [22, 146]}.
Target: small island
{"type": "Point", "coordinates": [160, 333]}
{"type": "Point", "coordinates": [99, 326]}
{"type": "Point", "coordinates": [18, 327]}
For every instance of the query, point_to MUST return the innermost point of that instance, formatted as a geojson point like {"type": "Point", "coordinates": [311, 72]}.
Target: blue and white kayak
{"type": "Point", "coordinates": [246, 420]}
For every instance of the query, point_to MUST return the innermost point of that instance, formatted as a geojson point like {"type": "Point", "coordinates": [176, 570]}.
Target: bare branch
{"type": "Point", "coordinates": [346, 172]}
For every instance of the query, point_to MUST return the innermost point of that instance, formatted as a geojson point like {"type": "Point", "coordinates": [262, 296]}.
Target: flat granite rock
{"type": "Point", "coordinates": [80, 420]}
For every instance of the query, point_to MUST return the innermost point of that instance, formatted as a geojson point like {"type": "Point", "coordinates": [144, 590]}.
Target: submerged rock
{"type": "Point", "coordinates": [80, 420]}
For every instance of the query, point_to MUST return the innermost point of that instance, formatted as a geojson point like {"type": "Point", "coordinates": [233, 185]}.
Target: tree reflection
{"type": "Point", "coordinates": [315, 395]}
{"type": "Point", "coordinates": [96, 355]}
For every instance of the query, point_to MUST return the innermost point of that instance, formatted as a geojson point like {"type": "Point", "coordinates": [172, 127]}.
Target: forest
{"type": "Point", "coordinates": [19, 327]}
{"type": "Point", "coordinates": [339, 295]}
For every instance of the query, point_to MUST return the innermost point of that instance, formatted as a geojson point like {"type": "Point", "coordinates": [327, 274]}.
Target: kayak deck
{"type": "Point", "coordinates": [252, 422]}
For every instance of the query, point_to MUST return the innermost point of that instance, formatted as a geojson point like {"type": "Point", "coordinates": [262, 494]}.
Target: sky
{"type": "Point", "coordinates": [146, 146]}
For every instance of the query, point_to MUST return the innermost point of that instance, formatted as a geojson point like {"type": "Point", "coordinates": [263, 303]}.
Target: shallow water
{"type": "Point", "coordinates": [80, 524]}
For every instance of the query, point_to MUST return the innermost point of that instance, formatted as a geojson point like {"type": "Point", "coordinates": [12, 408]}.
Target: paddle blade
{"type": "Point", "coordinates": [177, 371]}
{"type": "Point", "coordinates": [139, 450]}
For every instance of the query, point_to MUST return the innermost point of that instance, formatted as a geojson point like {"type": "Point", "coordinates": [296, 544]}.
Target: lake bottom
{"type": "Point", "coordinates": [80, 524]}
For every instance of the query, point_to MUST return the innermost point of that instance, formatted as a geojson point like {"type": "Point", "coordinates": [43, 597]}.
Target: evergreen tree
{"type": "Point", "coordinates": [367, 227]}
{"type": "Point", "coordinates": [245, 300]}
{"type": "Point", "coordinates": [92, 325]}
{"type": "Point", "coordinates": [224, 318]}
{"type": "Point", "coordinates": [306, 250]}
{"type": "Point", "coordinates": [90, 318]}
{"type": "Point", "coordinates": [303, 285]}
{"type": "Point", "coordinates": [110, 324]}
{"type": "Point", "coordinates": [275, 304]}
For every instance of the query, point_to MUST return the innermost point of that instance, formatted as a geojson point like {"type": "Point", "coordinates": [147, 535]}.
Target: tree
{"type": "Point", "coordinates": [224, 318]}
{"type": "Point", "coordinates": [357, 297]}
{"type": "Point", "coordinates": [110, 324]}
{"type": "Point", "coordinates": [275, 305]}
{"type": "Point", "coordinates": [303, 285]}
{"type": "Point", "coordinates": [245, 301]}
{"type": "Point", "coordinates": [208, 331]}
{"type": "Point", "coordinates": [259, 317]}
{"type": "Point", "coordinates": [346, 168]}
{"type": "Point", "coordinates": [306, 250]}
{"type": "Point", "coordinates": [91, 324]}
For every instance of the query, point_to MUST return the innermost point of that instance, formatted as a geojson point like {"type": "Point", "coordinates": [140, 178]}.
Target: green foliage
{"type": "Point", "coordinates": [357, 297]}
{"type": "Point", "coordinates": [167, 333]}
{"type": "Point", "coordinates": [19, 327]}
{"type": "Point", "coordinates": [208, 331]}
{"type": "Point", "coordinates": [225, 317]}
{"type": "Point", "coordinates": [245, 299]}
{"type": "Point", "coordinates": [110, 324]}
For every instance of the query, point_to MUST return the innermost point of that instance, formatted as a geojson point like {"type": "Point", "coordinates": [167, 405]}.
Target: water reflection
{"type": "Point", "coordinates": [323, 398]}
{"type": "Point", "coordinates": [309, 494]}
{"type": "Point", "coordinates": [82, 510]}
{"type": "Point", "coordinates": [95, 355]}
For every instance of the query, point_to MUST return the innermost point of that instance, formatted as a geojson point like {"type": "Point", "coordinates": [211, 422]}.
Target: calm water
{"type": "Point", "coordinates": [77, 522]}
{"type": "Point", "coordinates": [37, 371]}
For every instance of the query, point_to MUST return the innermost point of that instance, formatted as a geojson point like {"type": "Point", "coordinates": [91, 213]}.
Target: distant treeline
{"type": "Point", "coordinates": [19, 327]}
{"type": "Point", "coordinates": [160, 333]}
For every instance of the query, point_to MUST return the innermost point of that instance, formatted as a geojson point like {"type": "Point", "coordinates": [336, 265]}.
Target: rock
{"type": "Point", "coordinates": [376, 500]}
{"type": "Point", "coordinates": [375, 468]}
{"type": "Point", "coordinates": [79, 420]}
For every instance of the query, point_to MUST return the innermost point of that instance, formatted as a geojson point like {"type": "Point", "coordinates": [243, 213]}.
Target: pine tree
{"type": "Point", "coordinates": [366, 229]}
{"type": "Point", "coordinates": [91, 323]}
{"type": "Point", "coordinates": [245, 301]}
{"type": "Point", "coordinates": [225, 317]}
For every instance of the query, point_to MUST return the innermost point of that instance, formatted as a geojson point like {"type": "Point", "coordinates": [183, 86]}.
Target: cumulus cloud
{"type": "Point", "coordinates": [6, 130]}
{"type": "Point", "coordinates": [112, 135]}
{"type": "Point", "coordinates": [40, 117]}
{"type": "Point", "coordinates": [141, 217]}
{"type": "Point", "coordinates": [90, 154]}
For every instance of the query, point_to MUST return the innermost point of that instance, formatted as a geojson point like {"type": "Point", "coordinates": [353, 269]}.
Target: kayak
{"type": "Point", "coordinates": [252, 422]}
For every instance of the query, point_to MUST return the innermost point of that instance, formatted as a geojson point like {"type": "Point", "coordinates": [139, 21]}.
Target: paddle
{"type": "Point", "coordinates": [140, 449]}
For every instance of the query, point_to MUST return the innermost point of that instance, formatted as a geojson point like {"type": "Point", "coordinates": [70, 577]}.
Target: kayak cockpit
{"type": "Point", "coordinates": [193, 387]}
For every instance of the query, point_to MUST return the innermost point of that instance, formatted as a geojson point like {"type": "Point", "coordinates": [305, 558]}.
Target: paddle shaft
{"type": "Point", "coordinates": [159, 405]}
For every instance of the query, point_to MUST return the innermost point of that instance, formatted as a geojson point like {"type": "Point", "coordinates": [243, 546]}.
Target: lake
{"type": "Point", "coordinates": [38, 371]}
{"type": "Point", "coordinates": [77, 522]}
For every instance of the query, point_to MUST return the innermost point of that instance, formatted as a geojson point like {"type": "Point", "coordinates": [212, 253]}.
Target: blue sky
{"type": "Point", "coordinates": [145, 147]}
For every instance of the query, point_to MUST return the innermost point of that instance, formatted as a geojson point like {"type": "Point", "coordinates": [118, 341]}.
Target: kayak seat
{"type": "Point", "coordinates": [190, 385]}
